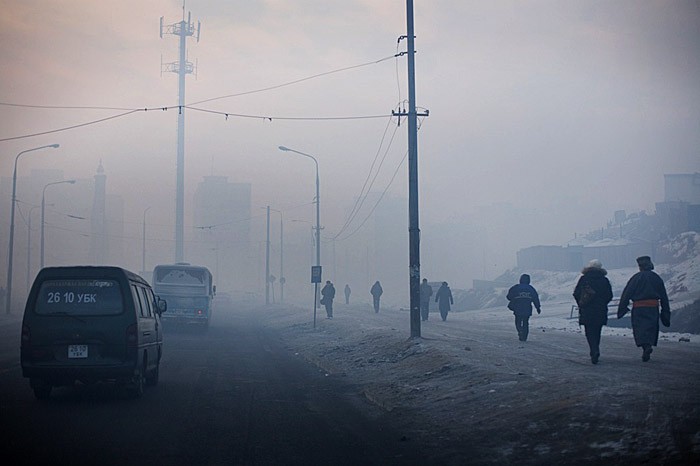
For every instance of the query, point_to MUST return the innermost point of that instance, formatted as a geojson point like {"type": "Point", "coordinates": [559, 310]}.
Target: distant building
{"type": "Point", "coordinates": [680, 210]}
{"type": "Point", "coordinates": [222, 219]}
{"type": "Point", "coordinates": [627, 236]}
{"type": "Point", "coordinates": [682, 188]}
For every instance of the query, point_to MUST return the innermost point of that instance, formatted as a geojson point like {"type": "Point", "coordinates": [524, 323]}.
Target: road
{"type": "Point", "coordinates": [233, 395]}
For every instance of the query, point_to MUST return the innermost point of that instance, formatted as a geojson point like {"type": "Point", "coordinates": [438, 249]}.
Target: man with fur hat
{"type": "Point", "coordinates": [592, 294]}
{"type": "Point", "coordinates": [522, 296]}
{"type": "Point", "coordinates": [646, 290]}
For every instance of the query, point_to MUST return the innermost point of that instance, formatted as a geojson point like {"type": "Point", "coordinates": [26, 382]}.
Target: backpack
{"type": "Point", "coordinates": [587, 295]}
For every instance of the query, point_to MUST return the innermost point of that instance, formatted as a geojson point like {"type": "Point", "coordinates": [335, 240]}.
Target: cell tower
{"type": "Point", "coordinates": [182, 67]}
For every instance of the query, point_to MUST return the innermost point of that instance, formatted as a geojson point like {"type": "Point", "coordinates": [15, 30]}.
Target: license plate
{"type": "Point", "coordinates": [77, 351]}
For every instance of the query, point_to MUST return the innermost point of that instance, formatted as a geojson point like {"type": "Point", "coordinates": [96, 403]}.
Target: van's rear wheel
{"type": "Point", "coordinates": [135, 388]}
{"type": "Point", "coordinates": [152, 377]}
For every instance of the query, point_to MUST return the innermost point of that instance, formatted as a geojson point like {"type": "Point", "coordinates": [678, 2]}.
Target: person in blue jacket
{"type": "Point", "coordinates": [521, 297]}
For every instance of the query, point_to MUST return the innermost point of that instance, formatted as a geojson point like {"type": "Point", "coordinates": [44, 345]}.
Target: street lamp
{"type": "Point", "coordinates": [143, 248]}
{"type": "Point", "coordinates": [43, 210]}
{"type": "Point", "coordinates": [318, 219]}
{"type": "Point", "coordinates": [318, 202]}
{"type": "Point", "coordinates": [8, 297]}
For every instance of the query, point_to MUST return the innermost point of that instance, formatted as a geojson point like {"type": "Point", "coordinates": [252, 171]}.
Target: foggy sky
{"type": "Point", "coordinates": [564, 111]}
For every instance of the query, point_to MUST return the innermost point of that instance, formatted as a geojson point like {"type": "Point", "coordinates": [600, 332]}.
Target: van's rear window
{"type": "Point", "coordinates": [79, 297]}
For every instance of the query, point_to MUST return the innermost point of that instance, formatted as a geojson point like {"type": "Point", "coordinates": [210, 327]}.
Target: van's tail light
{"type": "Point", "coordinates": [131, 336]}
{"type": "Point", "coordinates": [199, 312]}
{"type": "Point", "coordinates": [26, 336]}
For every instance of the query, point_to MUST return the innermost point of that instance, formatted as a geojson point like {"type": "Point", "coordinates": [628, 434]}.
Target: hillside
{"type": "Point", "coordinates": [682, 278]}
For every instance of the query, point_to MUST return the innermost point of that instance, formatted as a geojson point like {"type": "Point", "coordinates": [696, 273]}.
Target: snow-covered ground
{"type": "Point", "coordinates": [471, 393]}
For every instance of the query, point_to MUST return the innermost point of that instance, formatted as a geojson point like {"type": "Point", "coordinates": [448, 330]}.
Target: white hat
{"type": "Point", "coordinates": [595, 264]}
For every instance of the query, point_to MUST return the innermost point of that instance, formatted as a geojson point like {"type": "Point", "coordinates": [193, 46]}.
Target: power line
{"type": "Point", "coordinates": [376, 174]}
{"type": "Point", "coordinates": [62, 107]}
{"type": "Point", "coordinates": [378, 200]}
{"type": "Point", "coordinates": [297, 81]}
{"type": "Point", "coordinates": [356, 206]}
{"type": "Point", "coordinates": [73, 127]}
{"type": "Point", "coordinates": [226, 114]}
{"type": "Point", "coordinates": [270, 118]}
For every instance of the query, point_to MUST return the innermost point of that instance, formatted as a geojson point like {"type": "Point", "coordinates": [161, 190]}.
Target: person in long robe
{"type": "Point", "coordinates": [647, 292]}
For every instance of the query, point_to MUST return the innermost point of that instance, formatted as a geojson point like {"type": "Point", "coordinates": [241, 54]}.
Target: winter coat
{"type": "Point", "coordinates": [522, 296]}
{"type": "Point", "coordinates": [444, 298]}
{"type": "Point", "coordinates": [426, 291]}
{"type": "Point", "coordinates": [327, 293]}
{"type": "Point", "coordinates": [376, 290]}
{"type": "Point", "coordinates": [595, 312]}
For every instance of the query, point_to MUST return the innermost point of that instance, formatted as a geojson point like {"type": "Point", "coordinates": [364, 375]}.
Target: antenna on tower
{"type": "Point", "coordinates": [183, 29]}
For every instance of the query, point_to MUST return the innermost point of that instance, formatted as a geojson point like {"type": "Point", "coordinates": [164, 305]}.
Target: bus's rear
{"type": "Point", "coordinates": [188, 291]}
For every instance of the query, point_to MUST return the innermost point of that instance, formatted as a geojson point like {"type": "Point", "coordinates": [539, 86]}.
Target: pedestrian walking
{"type": "Point", "coordinates": [444, 299]}
{"type": "Point", "coordinates": [347, 294]}
{"type": "Point", "coordinates": [646, 290]}
{"type": "Point", "coordinates": [426, 291]}
{"type": "Point", "coordinates": [327, 295]}
{"type": "Point", "coordinates": [592, 294]}
{"type": "Point", "coordinates": [376, 292]}
{"type": "Point", "coordinates": [522, 296]}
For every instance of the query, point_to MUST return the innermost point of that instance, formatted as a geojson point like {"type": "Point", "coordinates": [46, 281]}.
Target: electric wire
{"type": "Point", "coordinates": [362, 195]}
{"type": "Point", "coordinates": [297, 81]}
{"type": "Point", "coordinates": [378, 200]}
{"type": "Point", "coordinates": [80, 125]}
{"type": "Point", "coordinates": [374, 178]}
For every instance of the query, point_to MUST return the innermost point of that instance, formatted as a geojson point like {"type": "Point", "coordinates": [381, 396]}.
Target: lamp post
{"type": "Point", "coordinates": [318, 219]}
{"type": "Point", "coordinates": [43, 212]}
{"type": "Point", "coordinates": [318, 203]}
{"type": "Point", "coordinates": [8, 297]}
{"type": "Point", "coordinates": [29, 244]}
{"type": "Point", "coordinates": [143, 245]}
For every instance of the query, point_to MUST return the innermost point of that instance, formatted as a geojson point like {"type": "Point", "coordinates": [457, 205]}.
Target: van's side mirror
{"type": "Point", "coordinates": [162, 305]}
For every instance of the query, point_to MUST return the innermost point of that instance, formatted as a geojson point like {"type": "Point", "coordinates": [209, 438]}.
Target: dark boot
{"type": "Point", "coordinates": [646, 354]}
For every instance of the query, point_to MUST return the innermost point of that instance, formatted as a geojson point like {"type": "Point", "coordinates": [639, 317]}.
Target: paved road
{"type": "Point", "coordinates": [234, 395]}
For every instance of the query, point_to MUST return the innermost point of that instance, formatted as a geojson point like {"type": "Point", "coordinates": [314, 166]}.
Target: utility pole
{"type": "Point", "coordinates": [267, 260]}
{"type": "Point", "coordinates": [183, 29]}
{"type": "Point", "coordinates": [282, 279]}
{"type": "Point", "coordinates": [413, 229]}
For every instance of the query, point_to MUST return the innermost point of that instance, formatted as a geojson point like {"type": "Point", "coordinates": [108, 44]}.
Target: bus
{"type": "Point", "coordinates": [188, 291]}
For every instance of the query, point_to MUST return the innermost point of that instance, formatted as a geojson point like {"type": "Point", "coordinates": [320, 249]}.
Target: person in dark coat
{"type": "Point", "coordinates": [426, 291]}
{"type": "Point", "coordinates": [327, 296]}
{"type": "Point", "coordinates": [444, 298]}
{"type": "Point", "coordinates": [522, 296]}
{"type": "Point", "coordinates": [592, 294]}
{"type": "Point", "coordinates": [376, 292]}
{"type": "Point", "coordinates": [347, 294]}
{"type": "Point", "coordinates": [646, 290]}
